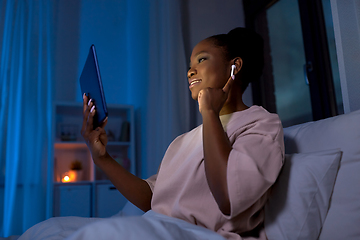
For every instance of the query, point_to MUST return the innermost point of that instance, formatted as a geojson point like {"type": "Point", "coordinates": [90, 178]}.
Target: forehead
{"type": "Point", "coordinates": [206, 46]}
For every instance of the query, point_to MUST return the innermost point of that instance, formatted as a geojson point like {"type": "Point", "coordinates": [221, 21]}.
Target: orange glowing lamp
{"type": "Point", "coordinates": [66, 178]}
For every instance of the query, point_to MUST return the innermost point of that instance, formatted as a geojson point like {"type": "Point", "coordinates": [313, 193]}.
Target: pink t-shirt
{"type": "Point", "coordinates": [180, 188]}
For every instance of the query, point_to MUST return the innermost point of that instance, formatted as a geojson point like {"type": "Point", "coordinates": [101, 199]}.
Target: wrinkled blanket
{"type": "Point", "coordinates": [149, 226]}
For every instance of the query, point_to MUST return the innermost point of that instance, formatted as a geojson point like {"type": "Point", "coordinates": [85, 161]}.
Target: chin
{"type": "Point", "coordinates": [194, 95]}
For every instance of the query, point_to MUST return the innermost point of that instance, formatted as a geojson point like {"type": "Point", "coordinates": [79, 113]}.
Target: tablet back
{"type": "Point", "coordinates": [90, 83]}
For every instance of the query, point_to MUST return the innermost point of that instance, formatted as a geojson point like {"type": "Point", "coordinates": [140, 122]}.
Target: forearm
{"type": "Point", "coordinates": [135, 189]}
{"type": "Point", "coordinates": [216, 152]}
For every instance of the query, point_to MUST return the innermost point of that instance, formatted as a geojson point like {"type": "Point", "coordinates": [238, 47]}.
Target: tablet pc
{"type": "Point", "coordinates": [90, 83]}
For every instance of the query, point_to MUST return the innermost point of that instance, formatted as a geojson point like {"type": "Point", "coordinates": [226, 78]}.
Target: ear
{"type": "Point", "coordinates": [238, 62]}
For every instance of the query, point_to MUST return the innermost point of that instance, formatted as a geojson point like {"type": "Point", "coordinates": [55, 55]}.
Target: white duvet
{"type": "Point", "coordinates": [150, 226]}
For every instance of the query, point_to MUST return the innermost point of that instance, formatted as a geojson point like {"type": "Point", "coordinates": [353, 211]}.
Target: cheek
{"type": "Point", "coordinates": [217, 75]}
{"type": "Point", "coordinates": [210, 74]}
{"type": "Point", "coordinates": [218, 79]}
{"type": "Point", "coordinates": [223, 76]}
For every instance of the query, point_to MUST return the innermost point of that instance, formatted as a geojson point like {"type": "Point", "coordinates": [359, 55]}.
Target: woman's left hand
{"type": "Point", "coordinates": [213, 99]}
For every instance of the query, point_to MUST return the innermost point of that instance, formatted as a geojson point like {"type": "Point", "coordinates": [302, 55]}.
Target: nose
{"type": "Point", "coordinates": [191, 72]}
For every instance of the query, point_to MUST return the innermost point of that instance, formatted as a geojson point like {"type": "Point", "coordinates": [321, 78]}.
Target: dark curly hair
{"type": "Point", "coordinates": [246, 44]}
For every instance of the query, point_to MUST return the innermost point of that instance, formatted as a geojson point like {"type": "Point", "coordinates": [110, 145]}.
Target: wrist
{"type": "Point", "coordinates": [208, 113]}
{"type": "Point", "coordinates": [101, 159]}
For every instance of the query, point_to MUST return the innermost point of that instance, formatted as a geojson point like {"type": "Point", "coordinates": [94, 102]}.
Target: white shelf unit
{"type": "Point", "coordinates": [92, 194]}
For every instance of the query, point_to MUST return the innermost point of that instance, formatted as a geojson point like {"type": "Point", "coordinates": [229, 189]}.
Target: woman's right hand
{"type": "Point", "coordinates": [96, 139]}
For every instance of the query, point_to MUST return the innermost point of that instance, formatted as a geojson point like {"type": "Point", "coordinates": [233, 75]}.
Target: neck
{"type": "Point", "coordinates": [234, 103]}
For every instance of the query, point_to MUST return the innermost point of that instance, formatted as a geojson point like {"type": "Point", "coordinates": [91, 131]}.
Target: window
{"type": "Point", "coordinates": [298, 78]}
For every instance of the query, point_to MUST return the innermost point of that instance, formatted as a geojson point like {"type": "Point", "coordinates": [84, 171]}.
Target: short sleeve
{"type": "Point", "coordinates": [253, 166]}
{"type": "Point", "coordinates": [151, 181]}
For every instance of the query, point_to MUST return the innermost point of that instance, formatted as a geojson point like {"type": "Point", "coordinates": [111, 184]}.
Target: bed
{"type": "Point", "coordinates": [315, 197]}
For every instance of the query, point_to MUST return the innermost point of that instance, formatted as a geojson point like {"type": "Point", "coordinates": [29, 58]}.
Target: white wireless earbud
{"type": "Point", "coordinates": [233, 67]}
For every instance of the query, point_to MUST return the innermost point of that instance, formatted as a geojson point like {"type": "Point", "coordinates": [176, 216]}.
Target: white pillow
{"type": "Point", "coordinates": [343, 131]}
{"type": "Point", "coordinates": [300, 197]}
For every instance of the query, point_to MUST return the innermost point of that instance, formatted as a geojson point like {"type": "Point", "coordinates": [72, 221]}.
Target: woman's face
{"type": "Point", "coordinates": [208, 68]}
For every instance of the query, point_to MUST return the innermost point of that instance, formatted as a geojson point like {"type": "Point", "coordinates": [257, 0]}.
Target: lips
{"type": "Point", "coordinates": [193, 82]}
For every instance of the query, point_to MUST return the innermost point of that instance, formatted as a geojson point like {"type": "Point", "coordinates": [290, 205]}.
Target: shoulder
{"type": "Point", "coordinates": [192, 136]}
{"type": "Point", "coordinates": [255, 114]}
{"type": "Point", "coordinates": [255, 120]}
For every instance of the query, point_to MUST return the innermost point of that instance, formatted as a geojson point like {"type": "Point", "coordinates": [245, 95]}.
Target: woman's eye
{"type": "Point", "coordinates": [201, 59]}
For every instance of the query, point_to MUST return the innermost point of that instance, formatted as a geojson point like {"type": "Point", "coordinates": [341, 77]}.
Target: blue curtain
{"type": "Point", "coordinates": [25, 112]}
{"type": "Point", "coordinates": [157, 87]}
{"type": "Point", "coordinates": [142, 60]}
{"type": "Point", "coordinates": [161, 89]}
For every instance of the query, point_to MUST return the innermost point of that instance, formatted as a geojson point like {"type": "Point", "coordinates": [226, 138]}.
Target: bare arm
{"type": "Point", "coordinates": [216, 152]}
{"type": "Point", "coordinates": [135, 189]}
{"type": "Point", "coordinates": [216, 144]}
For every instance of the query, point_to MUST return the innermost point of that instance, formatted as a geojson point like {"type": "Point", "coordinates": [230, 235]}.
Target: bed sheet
{"type": "Point", "coordinates": [151, 226]}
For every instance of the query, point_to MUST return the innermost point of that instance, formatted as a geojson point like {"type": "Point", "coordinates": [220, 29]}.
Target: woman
{"type": "Point", "coordinates": [213, 181]}
{"type": "Point", "coordinates": [218, 175]}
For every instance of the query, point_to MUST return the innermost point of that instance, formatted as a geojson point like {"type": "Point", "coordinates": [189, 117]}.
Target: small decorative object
{"type": "Point", "coordinates": [123, 161]}
{"type": "Point", "coordinates": [76, 165]}
{"type": "Point", "coordinates": [75, 172]}
{"type": "Point", "coordinates": [125, 132]}
{"type": "Point", "coordinates": [68, 132]}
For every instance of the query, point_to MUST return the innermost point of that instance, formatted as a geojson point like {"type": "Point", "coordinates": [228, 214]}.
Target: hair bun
{"type": "Point", "coordinates": [245, 37]}
{"type": "Point", "coordinates": [248, 45]}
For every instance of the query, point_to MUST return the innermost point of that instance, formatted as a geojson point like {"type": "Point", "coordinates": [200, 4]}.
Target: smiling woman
{"type": "Point", "coordinates": [210, 177]}
{"type": "Point", "coordinates": [213, 181]}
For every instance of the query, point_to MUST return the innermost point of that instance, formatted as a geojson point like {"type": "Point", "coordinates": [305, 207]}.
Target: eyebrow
{"type": "Point", "coordinates": [197, 55]}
